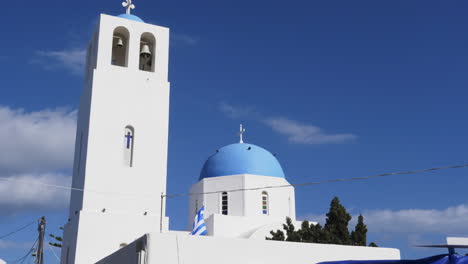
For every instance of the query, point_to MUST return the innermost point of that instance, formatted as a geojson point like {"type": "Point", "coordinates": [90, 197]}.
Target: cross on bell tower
{"type": "Point", "coordinates": [128, 6]}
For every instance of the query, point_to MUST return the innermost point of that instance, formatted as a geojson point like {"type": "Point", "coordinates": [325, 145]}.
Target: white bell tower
{"type": "Point", "coordinates": [121, 141]}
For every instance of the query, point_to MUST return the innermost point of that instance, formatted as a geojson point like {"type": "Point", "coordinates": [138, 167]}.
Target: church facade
{"type": "Point", "coordinates": [119, 176]}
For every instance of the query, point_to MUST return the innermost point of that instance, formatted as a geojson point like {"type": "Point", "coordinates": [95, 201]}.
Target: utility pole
{"type": "Point", "coordinates": [40, 245]}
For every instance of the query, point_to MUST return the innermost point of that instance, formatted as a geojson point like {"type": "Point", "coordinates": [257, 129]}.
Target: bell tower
{"type": "Point", "coordinates": [119, 170]}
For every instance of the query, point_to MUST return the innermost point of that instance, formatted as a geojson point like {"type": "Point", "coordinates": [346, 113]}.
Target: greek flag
{"type": "Point", "coordinates": [199, 227]}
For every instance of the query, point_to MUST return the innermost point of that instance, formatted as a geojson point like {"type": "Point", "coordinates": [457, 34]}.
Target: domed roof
{"type": "Point", "coordinates": [241, 159]}
{"type": "Point", "coordinates": [131, 17]}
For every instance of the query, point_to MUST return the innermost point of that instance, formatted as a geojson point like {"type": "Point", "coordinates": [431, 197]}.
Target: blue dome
{"type": "Point", "coordinates": [241, 159]}
{"type": "Point", "coordinates": [131, 17]}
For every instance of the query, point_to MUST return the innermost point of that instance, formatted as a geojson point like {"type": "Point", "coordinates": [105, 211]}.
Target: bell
{"type": "Point", "coordinates": [145, 51]}
{"type": "Point", "coordinates": [120, 42]}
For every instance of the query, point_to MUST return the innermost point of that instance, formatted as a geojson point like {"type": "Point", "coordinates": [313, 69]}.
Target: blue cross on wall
{"type": "Point", "coordinates": [129, 138]}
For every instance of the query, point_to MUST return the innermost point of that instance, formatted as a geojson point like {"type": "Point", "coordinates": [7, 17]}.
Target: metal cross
{"type": "Point", "coordinates": [129, 138]}
{"type": "Point", "coordinates": [241, 134]}
{"type": "Point", "coordinates": [128, 5]}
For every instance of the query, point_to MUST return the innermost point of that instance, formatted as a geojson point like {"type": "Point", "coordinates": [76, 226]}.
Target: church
{"type": "Point", "coordinates": [122, 138]}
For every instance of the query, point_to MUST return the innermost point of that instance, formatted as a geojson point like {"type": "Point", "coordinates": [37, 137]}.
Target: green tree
{"type": "Point", "coordinates": [291, 233]}
{"type": "Point", "coordinates": [321, 235]}
{"type": "Point", "coordinates": [313, 233]}
{"type": "Point", "coordinates": [306, 233]}
{"type": "Point", "coordinates": [359, 235]}
{"type": "Point", "coordinates": [337, 223]}
{"type": "Point", "coordinates": [278, 235]}
{"type": "Point", "coordinates": [335, 230]}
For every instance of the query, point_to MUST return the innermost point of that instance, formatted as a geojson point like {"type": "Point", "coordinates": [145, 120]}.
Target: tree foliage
{"type": "Point", "coordinates": [337, 223]}
{"type": "Point", "coordinates": [278, 235]}
{"type": "Point", "coordinates": [359, 235]}
{"type": "Point", "coordinates": [335, 230]}
{"type": "Point", "coordinates": [291, 233]}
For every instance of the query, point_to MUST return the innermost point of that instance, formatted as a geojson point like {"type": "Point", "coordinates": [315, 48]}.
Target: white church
{"type": "Point", "coordinates": [122, 139]}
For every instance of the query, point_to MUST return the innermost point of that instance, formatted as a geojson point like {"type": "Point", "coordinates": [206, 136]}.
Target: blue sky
{"type": "Point", "coordinates": [335, 88]}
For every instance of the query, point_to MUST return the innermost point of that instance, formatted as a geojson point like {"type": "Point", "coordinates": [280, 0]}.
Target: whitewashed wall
{"type": "Point", "coordinates": [252, 227]}
{"type": "Point", "coordinates": [244, 203]}
{"type": "Point", "coordinates": [176, 248]}
{"type": "Point", "coordinates": [121, 203]}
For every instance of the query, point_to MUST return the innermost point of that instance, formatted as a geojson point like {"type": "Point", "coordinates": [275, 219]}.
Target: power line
{"type": "Point", "coordinates": [51, 249]}
{"type": "Point", "coordinates": [23, 258]}
{"type": "Point", "coordinates": [235, 190]}
{"type": "Point", "coordinates": [17, 230]}
{"type": "Point", "coordinates": [42, 183]}
{"type": "Point", "coordinates": [139, 196]}
{"type": "Point", "coordinates": [28, 255]}
{"type": "Point", "coordinates": [320, 182]}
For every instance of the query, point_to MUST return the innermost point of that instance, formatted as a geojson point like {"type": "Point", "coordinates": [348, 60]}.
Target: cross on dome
{"type": "Point", "coordinates": [128, 6]}
{"type": "Point", "coordinates": [241, 134]}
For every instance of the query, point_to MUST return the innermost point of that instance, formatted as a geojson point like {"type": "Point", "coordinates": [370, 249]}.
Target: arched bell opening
{"type": "Point", "coordinates": [120, 47]}
{"type": "Point", "coordinates": [147, 52]}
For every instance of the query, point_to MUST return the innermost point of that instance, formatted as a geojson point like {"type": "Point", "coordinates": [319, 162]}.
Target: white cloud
{"type": "Point", "coordinates": [452, 220]}
{"type": "Point", "coordinates": [2, 261]}
{"type": "Point", "coordinates": [27, 192]}
{"type": "Point", "coordinates": [39, 141]}
{"type": "Point", "coordinates": [295, 131]}
{"type": "Point", "coordinates": [412, 223]}
{"type": "Point", "coordinates": [238, 112]}
{"type": "Point", "coordinates": [184, 38]}
{"type": "Point", "coordinates": [35, 146]}
{"type": "Point", "coordinates": [72, 60]}
{"type": "Point", "coordinates": [306, 134]}
{"type": "Point", "coordinates": [6, 244]}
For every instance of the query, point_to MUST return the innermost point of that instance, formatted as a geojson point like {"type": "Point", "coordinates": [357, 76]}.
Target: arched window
{"type": "Point", "coordinates": [120, 47]}
{"type": "Point", "coordinates": [265, 203]}
{"type": "Point", "coordinates": [129, 139]}
{"type": "Point", "coordinates": [147, 52]}
{"type": "Point", "coordinates": [224, 203]}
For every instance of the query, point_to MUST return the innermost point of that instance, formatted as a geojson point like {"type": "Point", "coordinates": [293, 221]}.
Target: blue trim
{"type": "Point", "coordinates": [241, 159]}
{"type": "Point", "coordinates": [131, 17]}
{"type": "Point", "coordinates": [438, 259]}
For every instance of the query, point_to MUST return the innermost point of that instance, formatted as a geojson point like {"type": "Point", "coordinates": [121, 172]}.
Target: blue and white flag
{"type": "Point", "coordinates": [199, 227]}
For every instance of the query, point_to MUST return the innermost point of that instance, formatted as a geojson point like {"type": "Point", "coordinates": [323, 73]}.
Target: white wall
{"type": "Point", "coordinates": [243, 203]}
{"type": "Point", "coordinates": [113, 98]}
{"type": "Point", "coordinates": [176, 248]}
{"type": "Point", "coordinates": [252, 227]}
